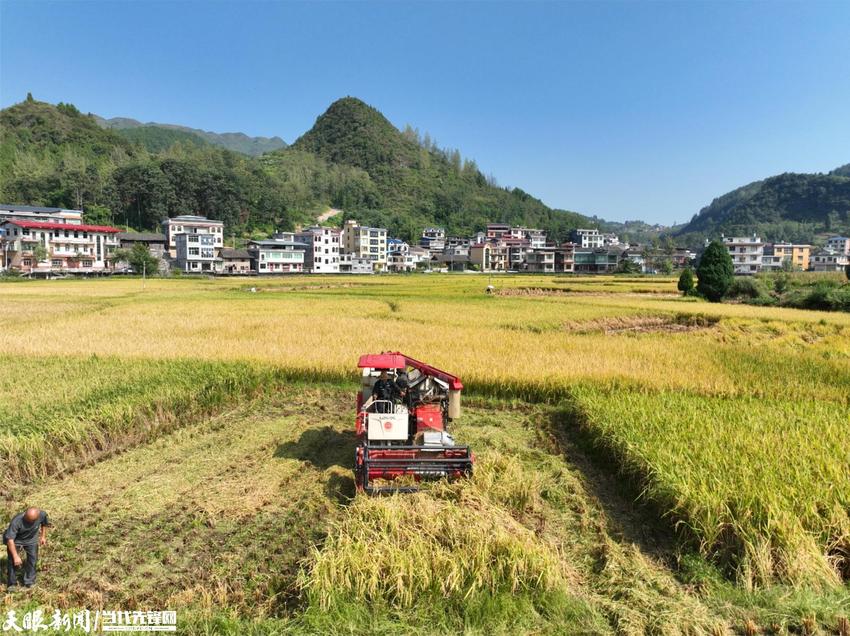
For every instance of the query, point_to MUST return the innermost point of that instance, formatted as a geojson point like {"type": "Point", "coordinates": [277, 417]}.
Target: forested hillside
{"type": "Point", "coordinates": [352, 159]}
{"type": "Point", "coordinates": [412, 183]}
{"type": "Point", "coordinates": [792, 207]}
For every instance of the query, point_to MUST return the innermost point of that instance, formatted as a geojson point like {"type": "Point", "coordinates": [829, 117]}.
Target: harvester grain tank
{"type": "Point", "coordinates": [406, 438]}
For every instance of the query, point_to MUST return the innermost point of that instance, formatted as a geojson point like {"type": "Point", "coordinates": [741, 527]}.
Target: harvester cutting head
{"type": "Point", "coordinates": [402, 424]}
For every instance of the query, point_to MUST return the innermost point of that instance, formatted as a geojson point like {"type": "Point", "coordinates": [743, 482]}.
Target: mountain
{"type": "Point", "coordinates": [237, 142]}
{"type": "Point", "coordinates": [56, 156]}
{"type": "Point", "coordinates": [352, 159]}
{"type": "Point", "coordinates": [790, 206]}
{"type": "Point", "coordinates": [412, 183]}
{"type": "Point", "coordinates": [157, 139]}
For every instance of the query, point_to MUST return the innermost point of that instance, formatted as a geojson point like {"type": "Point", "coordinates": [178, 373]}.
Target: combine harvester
{"type": "Point", "coordinates": [407, 436]}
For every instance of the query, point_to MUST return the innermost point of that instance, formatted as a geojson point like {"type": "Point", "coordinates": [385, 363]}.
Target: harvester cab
{"type": "Point", "coordinates": [406, 438]}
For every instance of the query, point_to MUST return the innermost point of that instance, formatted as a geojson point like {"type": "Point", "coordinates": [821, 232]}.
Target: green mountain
{"type": "Point", "coordinates": [157, 139]}
{"type": "Point", "coordinates": [352, 159]}
{"type": "Point", "coordinates": [56, 156]}
{"type": "Point", "coordinates": [411, 183]}
{"type": "Point", "coordinates": [793, 207]}
{"type": "Point", "coordinates": [237, 142]}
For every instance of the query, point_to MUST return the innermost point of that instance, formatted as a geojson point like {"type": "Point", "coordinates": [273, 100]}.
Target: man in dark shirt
{"type": "Point", "coordinates": [26, 532]}
{"type": "Point", "coordinates": [383, 389]}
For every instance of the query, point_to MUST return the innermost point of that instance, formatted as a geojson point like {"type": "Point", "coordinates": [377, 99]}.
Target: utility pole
{"type": "Point", "coordinates": [144, 272]}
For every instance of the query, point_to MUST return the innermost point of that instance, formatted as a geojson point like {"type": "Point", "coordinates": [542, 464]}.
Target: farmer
{"type": "Point", "coordinates": [25, 533]}
{"type": "Point", "coordinates": [401, 388]}
{"type": "Point", "coordinates": [384, 389]}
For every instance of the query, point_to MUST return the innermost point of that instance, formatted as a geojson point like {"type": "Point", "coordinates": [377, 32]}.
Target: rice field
{"type": "Point", "coordinates": [730, 425]}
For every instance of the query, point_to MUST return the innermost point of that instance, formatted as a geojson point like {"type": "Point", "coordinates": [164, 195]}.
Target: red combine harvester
{"type": "Point", "coordinates": [406, 435]}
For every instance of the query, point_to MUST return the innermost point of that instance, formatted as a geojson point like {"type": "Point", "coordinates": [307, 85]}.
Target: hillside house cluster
{"type": "Point", "coordinates": [750, 255]}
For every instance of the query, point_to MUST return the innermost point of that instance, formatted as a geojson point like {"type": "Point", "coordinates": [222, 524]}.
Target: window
{"type": "Point", "coordinates": [27, 262]}
{"type": "Point", "coordinates": [87, 263]}
{"type": "Point", "coordinates": [56, 262]}
{"type": "Point", "coordinates": [194, 251]}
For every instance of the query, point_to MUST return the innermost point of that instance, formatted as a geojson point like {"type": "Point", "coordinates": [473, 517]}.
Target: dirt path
{"type": "Point", "coordinates": [324, 216]}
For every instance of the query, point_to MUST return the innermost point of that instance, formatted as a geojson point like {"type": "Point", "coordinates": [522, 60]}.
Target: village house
{"type": "Point", "coordinates": [777, 256]}
{"type": "Point", "coordinates": [587, 238]}
{"type": "Point", "coordinates": [235, 261]}
{"type": "Point", "coordinates": [41, 247]}
{"type": "Point", "coordinates": [565, 258]}
{"type": "Point", "coordinates": [322, 249]}
{"type": "Point", "coordinates": [155, 243]}
{"type": "Point", "coordinates": [196, 254]}
{"type": "Point", "coordinates": [433, 239]}
{"type": "Point", "coordinates": [190, 224]}
{"type": "Point", "coordinates": [276, 256]}
{"type": "Point", "coordinates": [747, 253]}
{"type": "Point", "coordinates": [828, 260]}
{"type": "Point", "coordinates": [839, 244]}
{"type": "Point", "coordinates": [352, 264]}
{"type": "Point", "coordinates": [365, 242]}
{"type": "Point", "coordinates": [599, 260]}
{"type": "Point", "coordinates": [10, 212]}
{"type": "Point", "coordinates": [541, 260]}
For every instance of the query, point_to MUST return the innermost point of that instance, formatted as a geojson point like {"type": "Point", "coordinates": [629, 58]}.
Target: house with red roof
{"type": "Point", "coordinates": [47, 247]}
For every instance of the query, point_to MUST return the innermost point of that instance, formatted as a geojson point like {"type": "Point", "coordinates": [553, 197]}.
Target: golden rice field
{"type": "Point", "coordinates": [729, 423]}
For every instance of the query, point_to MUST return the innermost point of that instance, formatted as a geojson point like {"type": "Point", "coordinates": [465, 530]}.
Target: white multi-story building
{"type": "Point", "coordinates": [67, 247]}
{"type": "Point", "coordinates": [747, 253]}
{"type": "Point", "coordinates": [277, 256]}
{"type": "Point", "coordinates": [322, 253]}
{"type": "Point", "coordinates": [196, 254]}
{"type": "Point", "coordinates": [365, 242]}
{"type": "Point", "coordinates": [433, 239]}
{"type": "Point", "coordinates": [190, 224]}
{"type": "Point", "coordinates": [536, 238]}
{"type": "Point", "coordinates": [610, 239]}
{"type": "Point", "coordinates": [585, 238]}
{"type": "Point", "coordinates": [838, 244]}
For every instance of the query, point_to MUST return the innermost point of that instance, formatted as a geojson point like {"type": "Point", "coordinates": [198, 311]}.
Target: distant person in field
{"type": "Point", "coordinates": [25, 533]}
{"type": "Point", "coordinates": [384, 389]}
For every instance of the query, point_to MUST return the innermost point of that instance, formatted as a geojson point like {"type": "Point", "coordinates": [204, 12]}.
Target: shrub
{"type": "Point", "coordinates": [743, 287]}
{"type": "Point", "coordinates": [715, 272]}
{"type": "Point", "coordinates": [686, 281]}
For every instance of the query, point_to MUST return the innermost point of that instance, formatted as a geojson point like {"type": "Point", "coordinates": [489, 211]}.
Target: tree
{"type": "Point", "coordinates": [715, 272]}
{"type": "Point", "coordinates": [139, 258]}
{"type": "Point", "coordinates": [686, 281]}
{"type": "Point", "coordinates": [39, 253]}
{"type": "Point", "coordinates": [666, 266]}
{"type": "Point", "coordinates": [628, 266]}
{"type": "Point", "coordinates": [847, 271]}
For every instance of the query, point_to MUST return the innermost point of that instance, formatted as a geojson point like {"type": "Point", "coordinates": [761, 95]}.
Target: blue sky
{"type": "Point", "coordinates": [621, 109]}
